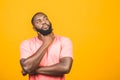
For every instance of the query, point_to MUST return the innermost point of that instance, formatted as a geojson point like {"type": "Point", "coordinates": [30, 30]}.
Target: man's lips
{"type": "Point", "coordinates": [45, 27]}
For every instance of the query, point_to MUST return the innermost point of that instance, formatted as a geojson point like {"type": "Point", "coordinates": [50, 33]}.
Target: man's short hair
{"type": "Point", "coordinates": [32, 20]}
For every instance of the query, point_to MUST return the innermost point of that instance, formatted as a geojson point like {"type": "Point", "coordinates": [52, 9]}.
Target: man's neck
{"type": "Point", "coordinates": [39, 35]}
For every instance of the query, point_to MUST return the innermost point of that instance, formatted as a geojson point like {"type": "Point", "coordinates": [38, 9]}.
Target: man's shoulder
{"type": "Point", "coordinates": [29, 40]}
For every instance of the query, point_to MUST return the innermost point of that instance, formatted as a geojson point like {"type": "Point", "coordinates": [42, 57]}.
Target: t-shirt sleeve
{"type": "Point", "coordinates": [66, 48]}
{"type": "Point", "coordinates": [25, 49]}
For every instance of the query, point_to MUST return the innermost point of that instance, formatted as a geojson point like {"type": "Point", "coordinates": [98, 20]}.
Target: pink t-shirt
{"type": "Point", "coordinates": [61, 47]}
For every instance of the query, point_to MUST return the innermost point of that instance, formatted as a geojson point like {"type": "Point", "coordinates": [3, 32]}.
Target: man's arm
{"type": "Point", "coordinates": [31, 63]}
{"type": "Point", "coordinates": [59, 69]}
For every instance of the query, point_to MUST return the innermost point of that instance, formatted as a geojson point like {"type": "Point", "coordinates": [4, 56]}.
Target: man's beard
{"type": "Point", "coordinates": [45, 32]}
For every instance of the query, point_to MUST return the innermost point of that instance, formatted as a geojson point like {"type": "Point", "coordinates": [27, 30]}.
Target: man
{"type": "Point", "coordinates": [47, 56]}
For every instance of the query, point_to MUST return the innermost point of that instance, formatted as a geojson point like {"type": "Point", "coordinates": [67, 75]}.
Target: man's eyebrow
{"type": "Point", "coordinates": [44, 16]}
{"type": "Point", "coordinates": [37, 19]}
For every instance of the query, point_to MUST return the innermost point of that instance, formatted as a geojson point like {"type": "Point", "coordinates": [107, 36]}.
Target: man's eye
{"type": "Point", "coordinates": [37, 22]}
{"type": "Point", "coordinates": [46, 18]}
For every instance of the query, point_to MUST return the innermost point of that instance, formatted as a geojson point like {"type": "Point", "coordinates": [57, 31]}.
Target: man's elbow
{"type": "Point", "coordinates": [25, 67]}
{"type": "Point", "coordinates": [66, 64]}
{"type": "Point", "coordinates": [67, 70]}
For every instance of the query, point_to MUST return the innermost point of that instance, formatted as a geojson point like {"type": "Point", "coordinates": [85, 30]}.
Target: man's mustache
{"type": "Point", "coordinates": [44, 24]}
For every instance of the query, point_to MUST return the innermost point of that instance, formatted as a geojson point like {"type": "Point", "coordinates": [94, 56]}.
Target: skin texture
{"type": "Point", "coordinates": [30, 65]}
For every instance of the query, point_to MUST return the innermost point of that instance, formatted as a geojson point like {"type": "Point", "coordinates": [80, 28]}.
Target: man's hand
{"type": "Point", "coordinates": [47, 39]}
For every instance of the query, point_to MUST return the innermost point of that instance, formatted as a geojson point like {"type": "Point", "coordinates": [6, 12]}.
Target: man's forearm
{"type": "Point", "coordinates": [58, 69]}
{"type": "Point", "coordinates": [31, 63]}
{"type": "Point", "coordinates": [51, 70]}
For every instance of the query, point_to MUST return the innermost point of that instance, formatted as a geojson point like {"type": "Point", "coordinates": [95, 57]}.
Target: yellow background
{"type": "Point", "coordinates": [92, 25]}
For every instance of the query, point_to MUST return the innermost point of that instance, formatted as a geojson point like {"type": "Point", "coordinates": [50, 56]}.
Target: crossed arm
{"type": "Point", "coordinates": [58, 69]}
{"type": "Point", "coordinates": [63, 67]}
{"type": "Point", "coordinates": [30, 64]}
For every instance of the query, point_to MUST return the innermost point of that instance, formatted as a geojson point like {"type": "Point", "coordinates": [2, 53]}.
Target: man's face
{"type": "Point", "coordinates": [42, 24]}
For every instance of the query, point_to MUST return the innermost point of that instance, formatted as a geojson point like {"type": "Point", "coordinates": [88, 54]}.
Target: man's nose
{"type": "Point", "coordinates": [43, 22]}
